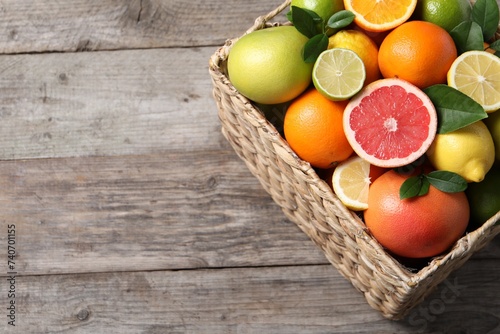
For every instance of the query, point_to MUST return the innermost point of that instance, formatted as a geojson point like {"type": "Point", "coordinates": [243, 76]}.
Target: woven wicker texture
{"type": "Point", "coordinates": [310, 203]}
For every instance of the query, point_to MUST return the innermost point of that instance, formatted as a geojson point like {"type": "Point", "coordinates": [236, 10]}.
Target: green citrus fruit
{"type": "Point", "coordinates": [445, 13]}
{"type": "Point", "coordinates": [267, 66]}
{"type": "Point", "coordinates": [324, 8]}
{"type": "Point", "coordinates": [484, 197]}
{"type": "Point", "coordinates": [493, 124]}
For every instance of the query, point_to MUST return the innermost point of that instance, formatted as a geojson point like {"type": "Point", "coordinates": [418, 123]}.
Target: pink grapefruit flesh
{"type": "Point", "coordinates": [390, 123]}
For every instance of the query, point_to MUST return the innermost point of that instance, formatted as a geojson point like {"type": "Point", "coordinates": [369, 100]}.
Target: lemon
{"type": "Point", "coordinates": [477, 74]}
{"type": "Point", "coordinates": [351, 182]}
{"type": "Point", "coordinates": [468, 151]}
{"type": "Point", "coordinates": [324, 8]}
{"type": "Point", "coordinates": [364, 47]}
{"type": "Point", "coordinates": [493, 124]}
{"type": "Point", "coordinates": [267, 66]}
{"type": "Point", "coordinates": [484, 197]}
{"type": "Point", "coordinates": [445, 13]}
{"type": "Point", "coordinates": [338, 74]}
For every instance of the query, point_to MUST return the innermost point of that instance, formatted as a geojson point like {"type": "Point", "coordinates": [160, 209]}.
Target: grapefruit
{"type": "Point", "coordinates": [417, 227]}
{"type": "Point", "coordinates": [390, 123]}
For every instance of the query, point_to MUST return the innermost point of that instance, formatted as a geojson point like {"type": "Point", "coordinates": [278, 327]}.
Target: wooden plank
{"type": "Point", "coordinates": [171, 210]}
{"type": "Point", "coordinates": [107, 103]}
{"type": "Point", "coordinates": [84, 25]}
{"type": "Point", "coordinates": [297, 299]}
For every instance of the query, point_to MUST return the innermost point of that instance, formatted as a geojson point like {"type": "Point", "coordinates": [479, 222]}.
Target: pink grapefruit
{"type": "Point", "coordinates": [390, 123]}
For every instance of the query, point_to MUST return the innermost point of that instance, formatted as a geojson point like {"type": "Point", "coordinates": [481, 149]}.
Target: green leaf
{"type": "Point", "coordinates": [340, 19]}
{"type": "Point", "coordinates": [447, 181]}
{"type": "Point", "coordinates": [454, 109]}
{"type": "Point", "coordinates": [485, 13]}
{"type": "Point", "coordinates": [414, 186]}
{"type": "Point", "coordinates": [306, 21]}
{"type": "Point", "coordinates": [467, 36]}
{"type": "Point", "coordinates": [314, 47]}
{"type": "Point", "coordinates": [495, 45]}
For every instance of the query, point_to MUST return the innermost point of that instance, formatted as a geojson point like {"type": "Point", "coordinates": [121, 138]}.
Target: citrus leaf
{"type": "Point", "coordinates": [495, 45]}
{"type": "Point", "coordinates": [447, 181]}
{"type": "Point", "coordinates": [414, 186]}
{"type": "Point", "coordinates": [485, 13]}
{"type": "Point", "coordinates": [340, 19]}
{"type": "Point", "coordinates": [314, 47]}
{"type": "Point", "coordinates": [467, 36]}
{"type": "Point", "coordinates": [305, 21]}
{"type": "Point", "coordinates": [454, 109]}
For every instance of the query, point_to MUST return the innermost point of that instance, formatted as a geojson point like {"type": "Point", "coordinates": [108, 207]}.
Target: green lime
{"type": "Point", "coordinates": [267, 67]}
{"type": "Point", "coordinates": [484, 197]}
{"type": "Point", "coordinates": [338, 74]}
{"type": "Point", "coordinates": [445, 13]}
{"type": "Point", "coordinates": [324, 8]}
{"type": "Point", "coordinates": [493, 124]}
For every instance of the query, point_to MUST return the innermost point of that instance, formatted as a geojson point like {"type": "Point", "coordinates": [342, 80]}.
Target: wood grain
{"type": "Point", "coordinates": [298, 299]}
{"type": "Point", "coordinates": [171, 210]}
{"type": "Point", "coordinates": [106, 103]}
{"type": "Point", "coordinates": [90, 25]}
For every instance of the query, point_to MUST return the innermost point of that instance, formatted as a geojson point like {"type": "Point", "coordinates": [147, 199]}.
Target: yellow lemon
{"type": "Point", "coordinates": [468, 151]}
{"type": "Point", "coordinates": [267, 66]}
{"type": "Point", "coordinates": [363, 46]}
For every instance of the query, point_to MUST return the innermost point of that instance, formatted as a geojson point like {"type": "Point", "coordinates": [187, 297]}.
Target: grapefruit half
{"type": "Point", "coordinates": [390, 123]}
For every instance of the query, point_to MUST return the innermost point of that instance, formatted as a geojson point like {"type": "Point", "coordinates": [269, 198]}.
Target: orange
{"type": "Point", "coordinates": [313, 129]}
{"type": "Point", "coordinates": [380, 15]}
{"type": "Point", "coordinates": [418, 52]}
{"type": "Point", "coordinates": [417, 227]}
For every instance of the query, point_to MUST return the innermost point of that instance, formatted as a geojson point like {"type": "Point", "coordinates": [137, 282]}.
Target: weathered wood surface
{"type": "Point", "coordinates": [133, 214]}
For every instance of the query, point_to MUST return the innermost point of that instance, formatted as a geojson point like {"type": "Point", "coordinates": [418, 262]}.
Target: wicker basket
{"type": "Point", "coordinates": [309, 202]}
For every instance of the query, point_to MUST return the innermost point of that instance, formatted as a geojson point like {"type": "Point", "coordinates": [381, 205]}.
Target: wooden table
{"type": "Point", "coordinates": [131, 212]}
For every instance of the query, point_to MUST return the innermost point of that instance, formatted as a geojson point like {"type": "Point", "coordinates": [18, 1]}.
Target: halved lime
{"type": "Point", "coordinates": [338, 74]}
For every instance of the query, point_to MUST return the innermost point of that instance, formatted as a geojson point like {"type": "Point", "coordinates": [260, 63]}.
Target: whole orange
{"type": "Point", "coordinates": [416, 227]}
{"type": "Point", "coordinates": [313, 129]}
{"type": "Point", "coordinates": [419, 52]}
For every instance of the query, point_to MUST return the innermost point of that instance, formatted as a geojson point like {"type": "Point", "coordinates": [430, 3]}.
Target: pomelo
{"type": "Point", "coordinates": [390, 123]}
{"type": "Point", "coordinates": [267, 66]}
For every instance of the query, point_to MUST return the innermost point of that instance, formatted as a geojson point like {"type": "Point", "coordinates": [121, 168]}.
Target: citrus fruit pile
{"type": "Point", "coordinates": [396, 101]}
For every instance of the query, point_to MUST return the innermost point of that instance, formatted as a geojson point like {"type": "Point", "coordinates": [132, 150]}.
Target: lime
{"type": "Point", "coordinates": [338, 74]}
{"type": "Point", "coordinates": [468, 151]}
{"type": "Point", "coordinates": [493, 124]}
{"type": "Point", "coordinates": [484, 197]}
{"type": "Point", "coordinates": [445, 13]}
{"type": "Point", "coordinates": [364, 47]}
{"type": "Point", "coordinates": [267, 66]}
{"type": "Point", "coordinates": [324, 8]}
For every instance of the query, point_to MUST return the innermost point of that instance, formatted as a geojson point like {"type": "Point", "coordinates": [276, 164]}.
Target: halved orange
{"type": "Point", "coordinates": [380, 15]}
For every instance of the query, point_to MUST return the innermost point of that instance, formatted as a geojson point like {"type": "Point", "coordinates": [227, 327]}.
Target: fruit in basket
{"type": "Point", "coordinates": [380, 15]}
{"type": "Point", "coordinates": [390, 123]}
{"type": "Point", "coordinates": [476, 74]}
{"type": "Point", "coordinates": [419, 52]}
{"type": "Point", "coordinates": [267, 67]}
{"type": "Point", "coordinates": [445, 13]}
{"type": "Point", "coordinates": [313, 129]}
{"type": "Point", "coordinates": [468, 151]}
{"type": "Point", "coordinates": [351, 180]}
{"type": "Point", "coordinates": [324, 8]}
{"type": "Point", "coordinates": [493, 124]}
{"type": "Point", "coordinates": [484, 197]}
{"type": "Point", "coordinates": [338, 74]}
{"type": "Point", "coordinates": [417, 227]}
{"type": "Point", "coordinates": [364, 47]}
